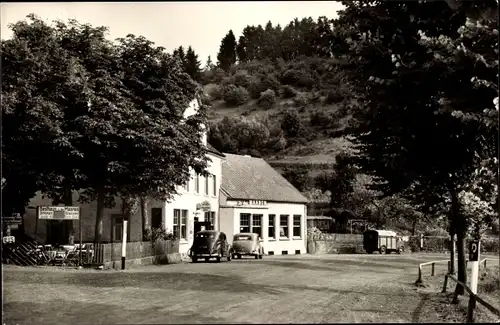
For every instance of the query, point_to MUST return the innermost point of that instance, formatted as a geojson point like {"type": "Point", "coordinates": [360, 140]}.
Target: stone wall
{"type": "Point", "coordinates": [335, 244]}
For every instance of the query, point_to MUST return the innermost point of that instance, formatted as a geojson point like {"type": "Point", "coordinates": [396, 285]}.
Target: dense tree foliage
{"type": "Point", "coordinates": [420, 120]}
{"type": "Point", "coordinates": [227, 51]}
{"type": "Point", "coordinates": [85, 114]}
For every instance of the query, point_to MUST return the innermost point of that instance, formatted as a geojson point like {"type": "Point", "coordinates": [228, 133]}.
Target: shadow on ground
{"type": "Point", "coordinates": [171, 281]}
{"type": "Point", "coordinates": [60, 311]}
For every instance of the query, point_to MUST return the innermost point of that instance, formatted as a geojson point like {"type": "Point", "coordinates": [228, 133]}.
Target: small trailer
{"type": "Point", "coordinates": [383, 241]}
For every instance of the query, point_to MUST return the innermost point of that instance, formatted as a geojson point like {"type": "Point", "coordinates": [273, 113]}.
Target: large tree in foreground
{"type": "Point", "coordinates": [412, 98]}
{"type": "Point", "coordinates": [99, 117]}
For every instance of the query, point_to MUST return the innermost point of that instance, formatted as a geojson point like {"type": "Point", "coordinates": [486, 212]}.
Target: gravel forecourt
{"type": "Point", "coordinates": [276, 289]}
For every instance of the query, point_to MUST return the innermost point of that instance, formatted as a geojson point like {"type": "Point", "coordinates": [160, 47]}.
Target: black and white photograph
{"type": "Point", "coordinates": [250, 162]}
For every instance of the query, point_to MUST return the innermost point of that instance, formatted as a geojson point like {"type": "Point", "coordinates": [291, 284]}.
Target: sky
{"type": "Point", "coordinates": [171, 24]}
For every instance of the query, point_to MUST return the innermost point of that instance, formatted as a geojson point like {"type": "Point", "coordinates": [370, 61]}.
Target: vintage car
{"type": "Point", "coordinates": [209, 244]}
{"type": "Point", "coordinates": [383, 241]}
{"type": "Point", "coordinates": [247, 244]}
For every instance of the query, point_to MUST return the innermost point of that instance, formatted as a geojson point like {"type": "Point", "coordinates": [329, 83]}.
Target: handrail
{"type": "Point", "coordinates": [432, 263]}
{"type": "Point", "coordinates": [473, 298]}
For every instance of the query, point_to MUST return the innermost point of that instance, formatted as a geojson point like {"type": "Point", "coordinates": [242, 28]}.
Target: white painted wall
{"type": "Point", "coordinates": [230, 214]}
{"type": "Point", "coordinates": [193, 107]}
{"type": "Point", "coordinates": [187, 200]}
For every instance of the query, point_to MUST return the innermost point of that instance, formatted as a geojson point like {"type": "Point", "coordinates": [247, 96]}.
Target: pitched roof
{"type": "Point", "coordinates": [248, 178]}
{"type": "Point", "coordinates": [214, 151]}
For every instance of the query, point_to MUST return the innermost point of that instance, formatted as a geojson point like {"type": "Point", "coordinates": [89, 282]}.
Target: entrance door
{"type": "Point", "coordinates": [156, 217]}
{"type": "Point", "coordinates": [197, 225]}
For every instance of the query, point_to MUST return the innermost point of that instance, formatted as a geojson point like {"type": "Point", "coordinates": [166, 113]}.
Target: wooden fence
{"type": "Point", "coordinates": [31, 253]}
{"type": "Point", "coordinates": [473, 299]}
{"type": "Point", "coordinates": [138, 250]}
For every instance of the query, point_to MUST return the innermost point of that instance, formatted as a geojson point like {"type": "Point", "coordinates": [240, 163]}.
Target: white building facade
{"type": "Point", "coordinates": [256, 198]}
{"type": "Point", "coordinates": [198, 201]}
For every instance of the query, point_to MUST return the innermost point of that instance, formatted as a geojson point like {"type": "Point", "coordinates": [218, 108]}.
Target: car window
{"type": "Point", "coordinates": [242, 237]}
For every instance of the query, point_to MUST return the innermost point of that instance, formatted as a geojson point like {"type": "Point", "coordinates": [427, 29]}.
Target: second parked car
{"type": "Point", "coordinates": [247, 244]}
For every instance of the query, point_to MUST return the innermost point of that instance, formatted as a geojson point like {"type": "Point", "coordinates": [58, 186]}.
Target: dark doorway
{"type": "Point", "coordinates": [57, 232]}
{"type": "Point", "coordinates": [156, 217]}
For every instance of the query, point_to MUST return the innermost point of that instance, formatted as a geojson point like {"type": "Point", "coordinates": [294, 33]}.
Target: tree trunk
{"type": "Point", "coordinates": [459, 227]}
{"type": "Point", "coordinates": [68, 201]}
{"type": "Point", "coordinates": [414, 227]}
{"type": "Point", "coordinates": [145, 217]}
{"type": "Point", "coordinates": [452, 252]}
{"type": "Point", "coordinates": [99, 217]}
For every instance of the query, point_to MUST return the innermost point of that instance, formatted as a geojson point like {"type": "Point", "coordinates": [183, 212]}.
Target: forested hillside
{"type": "Point", "coordinates": [336, 105]}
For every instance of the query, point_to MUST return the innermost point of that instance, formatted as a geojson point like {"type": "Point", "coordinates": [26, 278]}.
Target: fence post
{"type": "Point", "coordinates": [470, 308]}
{"type": "Point", "coordinates": [419, 280]}
{"type": "Point", "coordinates": [484, 263]}
{"type": "Point", "coordinates": [445, 286]}
{"type": "Point", "coordinates": [432, 272]}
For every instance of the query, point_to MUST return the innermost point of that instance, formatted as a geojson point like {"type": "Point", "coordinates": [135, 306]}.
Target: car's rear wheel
{"type": "Point", "coordinates": [383, 250]}
{"type": "Point", "coordinates": [195, 259]}
{"type": "Point", "coordinates": [218, 259]}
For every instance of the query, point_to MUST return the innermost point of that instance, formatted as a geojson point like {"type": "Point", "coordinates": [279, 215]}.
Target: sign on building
{"type": "Point", "coordinates": [205, 206]}
{"type": "Point", "coordinates": [251, 202]}
{"type": "Point", "coordinates": [58, 213]}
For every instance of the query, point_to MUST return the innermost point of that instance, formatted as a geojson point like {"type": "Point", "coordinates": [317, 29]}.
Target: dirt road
{"type": "Point", "coordinates": [280, 289]}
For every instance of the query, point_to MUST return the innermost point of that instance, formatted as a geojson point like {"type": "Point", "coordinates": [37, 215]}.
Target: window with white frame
{"type": "Point", "coordinates": [210, 217]}
{"type": "Point", "coordinates": [180, 223]}
{"type": "Point", "coordinates": [184, 217]}
{"type": "Point", "coordinates": [214, 184]}
{"type": "Point", "coordinates": [197, 183]}
{"type": "Point", "coordinates": [271, 229]}
{"type": "Point", "coordinates": [257, 224]}
{"type": "Point", "coordinates": [245, 222]}
{"type": "Point", "coordinates": [206, 184]}
{"type": "Point", "coordinates": [284, 226]}
{"type": "Point", "coordinates": [297, 225]}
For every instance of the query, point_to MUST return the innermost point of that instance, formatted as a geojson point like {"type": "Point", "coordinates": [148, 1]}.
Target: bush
{"type": "Point", "coordinates": [242, 79]}
{"type": "Point", "coordinates": [291, 77]}
{"type": "Point", "coordinates": [288, 91]}
{"type": "Point", "coordinates": [158, 233]}
{"type": "Point", "coordinates": [333, 97]}
{"type": "Point", "coordinates": [206, 99]}
{"type": "Point", "coordinates": [235, 96]}
{"type": "Point", "coordinates": [269, 81]}
{"type": "Point", "coordinates": [267, 99]}
{"type": "Point", "coordinates": [301, 99]}
{"type": "Point", "coordinates": [322, 119]}
{"type": "Point", "coordinates": [216, 92]}
{"type": "Point", "coordinates": [219, 74]}
{"type": "Point", "coordinates": [292, 124]}
{"type": "Point", "coordinates": [227, 81]}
